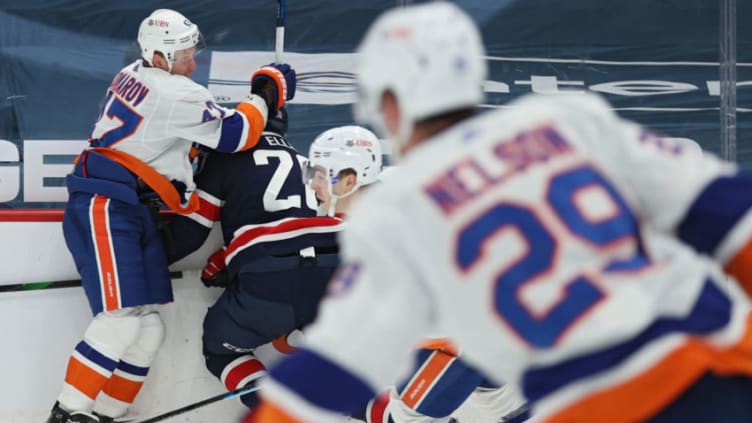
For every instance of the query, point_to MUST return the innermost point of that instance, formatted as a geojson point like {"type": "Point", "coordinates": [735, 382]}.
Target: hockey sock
{"type": "Point", "coordinates": [129, 375]}
{"type": "Point", "coordinates": [95, 358]}
{"type": "Point", "coordinates": [236, 372]}
{"type": "Point", "coordinates": [377, 410]}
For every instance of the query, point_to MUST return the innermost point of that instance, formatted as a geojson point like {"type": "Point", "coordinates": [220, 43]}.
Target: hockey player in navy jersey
{"type": "Point", "coordinates": [138, 159]}
{"type": "Point", "coordinates": [277, 258]}
{"type": "Point", "coordinates": [529, 236]}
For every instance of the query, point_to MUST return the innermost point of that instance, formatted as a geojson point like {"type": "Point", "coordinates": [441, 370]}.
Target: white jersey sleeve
{"type": "Point", "coordinates": [196, 117]}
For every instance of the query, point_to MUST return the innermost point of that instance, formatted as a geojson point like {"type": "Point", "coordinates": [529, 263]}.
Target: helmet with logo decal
{"type": "Point", "coordinates": [168, 32]}
{"type": "Point", "coordinates": [441, 66]}
{"type": "Point", "coordinates": [346, 147]}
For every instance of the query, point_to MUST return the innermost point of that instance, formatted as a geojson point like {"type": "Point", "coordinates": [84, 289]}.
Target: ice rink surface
{"type": "Point", "coordinates": [48, 325]}
{"type": "Point", "coordinates": [42, 327]}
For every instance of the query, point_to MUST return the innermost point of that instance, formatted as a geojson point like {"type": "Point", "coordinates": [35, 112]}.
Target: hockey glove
{"type": "Point", "coordinates": [215, 273]}
{"type": "Point", "coordinates": [275, 83]}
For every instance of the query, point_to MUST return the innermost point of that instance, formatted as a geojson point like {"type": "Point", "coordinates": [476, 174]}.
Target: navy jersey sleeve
{"type": "Point", "coordinates": [190, 231]}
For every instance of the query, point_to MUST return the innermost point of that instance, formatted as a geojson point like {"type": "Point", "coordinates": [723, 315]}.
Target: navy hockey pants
{"type": "Point", "coordinates": [117, 251]}
{"type": "Point", "coordinates": [711, 399]}
{"type": "Point", "coordinates": [270, 297]}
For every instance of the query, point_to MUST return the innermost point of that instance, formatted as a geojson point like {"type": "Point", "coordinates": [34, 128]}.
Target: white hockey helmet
{"type": "Point", "coordinates": [167, 32]}
{"type": "Point", "coordinates": [430, 56]}
{"type": "Point", "coordinates": [346, 147]}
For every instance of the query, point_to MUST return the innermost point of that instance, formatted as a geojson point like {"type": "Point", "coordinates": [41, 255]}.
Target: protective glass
{"type": "Point", "coordinates": [317, 174]}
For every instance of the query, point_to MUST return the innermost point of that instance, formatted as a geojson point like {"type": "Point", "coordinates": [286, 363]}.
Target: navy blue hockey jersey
{"type": "Point", "coordinates": [262, 202]}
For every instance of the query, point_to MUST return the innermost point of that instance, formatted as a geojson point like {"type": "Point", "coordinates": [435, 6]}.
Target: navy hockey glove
{"type": "Point", "coordinates": [215, 273]}
{"type": "Point", "coordinates": [275, 83]}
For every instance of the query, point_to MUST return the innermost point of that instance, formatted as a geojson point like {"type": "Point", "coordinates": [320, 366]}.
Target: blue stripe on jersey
{"type": "Point", "coordinates": [325, 385]}
{"type": "Point", "coordinates": [631, 264]}
{"type": "Point", "coordinates": [711, 312]}
{"type": "Point", "coordinates": [718, 208]}
{"type": "Point", "coordinates": [132, 369]}
{"type": "Point", "coordinates": [232, 130]}
{"type": "Point", "coordinates": [450, 390]}
{"type": "Point", "coordinates": [95, 356]}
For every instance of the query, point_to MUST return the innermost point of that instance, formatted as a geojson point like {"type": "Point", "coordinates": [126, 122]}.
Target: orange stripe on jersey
{"type": "Point", "coordinates": [740, 267]}
{"type": "Point", "coordinates": [85, 379]}
{"type": "Point", "coordinates": [435, 366]}
{"type": "Point", "coordinates": [152, 178]}
{"type": "Point", "coordinates": [269, 413]}
{"type": "Point", "coordinates": [108, 277]}
{"type": "Point", "coordinates": [647, 394]}
{"type": "Point", "coordinates": [122, 389]}
{"type": "Point", "coordinates": [280, 344]}
{"type": "Point", "coordinates": [256, 123]}
{"type": "Point", "coordinates": [442, 344]}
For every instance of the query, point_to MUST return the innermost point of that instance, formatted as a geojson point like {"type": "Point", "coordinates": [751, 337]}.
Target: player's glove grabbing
{"type": "Point", "coordinates": [215, 273]}
{"type": "Point", "coordinates": [275, 83]}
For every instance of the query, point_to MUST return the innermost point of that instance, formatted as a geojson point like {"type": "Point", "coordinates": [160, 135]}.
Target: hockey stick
{"type": "Point", "coordinates": [279, 40]}
{"type": "Point", "coordinates": [36, 286]}
{"type": "Point", "coordinates": [39, 285]}
{"type": "Point", "coordinates": [195, 405]}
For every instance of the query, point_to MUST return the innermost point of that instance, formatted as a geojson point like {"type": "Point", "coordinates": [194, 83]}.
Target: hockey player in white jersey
{"type": "Point", "coordinates": [524, 235]}
{"type": "Point", "coordinates": [138, 159]}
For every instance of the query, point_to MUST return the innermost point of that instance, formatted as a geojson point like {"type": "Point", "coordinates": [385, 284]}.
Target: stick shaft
{"type": "Point", "coordinates": [38, 286]}
{"type": "Point", "coordinates": [279, 44]}
{"type": "Point", "coordinates": [279, 36]}
{"type": "Point", "coordinates": [195, 405]}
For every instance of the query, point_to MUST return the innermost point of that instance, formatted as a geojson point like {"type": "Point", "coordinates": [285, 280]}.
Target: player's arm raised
{"type": "Point", "coordinates": [229, 130]}
{"type": "Point", "coordinates": [274, 84]}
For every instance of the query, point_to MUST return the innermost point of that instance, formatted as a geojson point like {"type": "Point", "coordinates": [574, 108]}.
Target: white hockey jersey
{"type": "Point", "coordinates": [155, 116]}
{"type": "Point", "coordinates": [543, 240]}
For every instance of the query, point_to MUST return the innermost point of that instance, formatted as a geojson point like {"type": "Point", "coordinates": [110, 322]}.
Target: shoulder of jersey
{"type": "Point", "coordinates": [177, 86]}
{"type": "Point", "coordinates": [190, 90]}
{"type": "Point", "coordinates": [565, 102]}
{"type": "Point", "coordinates": [391, 190]}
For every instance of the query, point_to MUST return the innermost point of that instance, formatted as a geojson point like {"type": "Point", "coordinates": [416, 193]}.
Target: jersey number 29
{"type": "Point", "coordinates": [540, 259]}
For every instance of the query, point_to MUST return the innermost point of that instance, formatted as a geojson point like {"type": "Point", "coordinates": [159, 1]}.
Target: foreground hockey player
{"type": "Point", "coordinates": [342, 163]}
{"type": "Point", "coordinates": [138, 159]}
{"type": "Point", "coordinates": [523, 235]}
{"type": "Point", "coordinates": [277, 260]}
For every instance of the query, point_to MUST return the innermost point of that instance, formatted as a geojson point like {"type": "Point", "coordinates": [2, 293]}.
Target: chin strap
{"type": "Point", "coordinates": [333, 198]}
